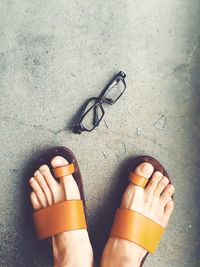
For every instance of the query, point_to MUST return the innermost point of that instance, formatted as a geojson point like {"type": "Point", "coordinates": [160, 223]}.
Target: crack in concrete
{"type": "Point", "coordinates": [154, 141]}
{"type": "Point", "coordinates": [35, 126]}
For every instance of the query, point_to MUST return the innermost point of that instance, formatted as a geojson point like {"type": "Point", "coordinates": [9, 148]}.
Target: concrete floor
{"type": "Point", "coordinates": [56, 54]}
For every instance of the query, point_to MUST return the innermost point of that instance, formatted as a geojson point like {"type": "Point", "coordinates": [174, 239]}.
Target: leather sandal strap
{"type": "Point", "coordinates": [137, 179]}
{"type": "Point", "coordinates": [58, 218]}
{"type": "Point", "coordinates": [64, 170]}
{"type": "Point", "coordinates": [135, 227]}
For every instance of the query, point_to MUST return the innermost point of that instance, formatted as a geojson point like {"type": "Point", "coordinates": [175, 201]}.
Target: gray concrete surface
{"type": "Point", "coordinates": [56, 54]}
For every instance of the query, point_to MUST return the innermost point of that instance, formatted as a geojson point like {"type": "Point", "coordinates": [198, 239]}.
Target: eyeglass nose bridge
{"type": "Point", "coordinates": [107, 100]}
{"type": "Point", "coordinates": [96, 118]}
{"type": "Point", "coordinates": [98, 105]}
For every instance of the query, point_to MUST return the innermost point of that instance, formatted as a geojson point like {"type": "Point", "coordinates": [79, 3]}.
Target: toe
{"type": "Point", "coordinates": [167, 193]}
{"type": "Point", "coordinates": [151, 186]}
{"type": "Point", "coordinates": [145, 170]}
{"type": "Point", "coordinates": [70, 185]}
{"type": "Point", "coordinates": [38, 191]}
{"type": "Point", "coordinates": [130, 198]}
{"type": "Point", "coordinates": [43, 184]}
{"type": "Point", "coordinates": [34, 201]}
{"type": "Point", "coordinates": [50, 180]}
{"type": "Point", "coordinates": [161, 185]}
{"type": "Point", "coordinates": [169, 208]}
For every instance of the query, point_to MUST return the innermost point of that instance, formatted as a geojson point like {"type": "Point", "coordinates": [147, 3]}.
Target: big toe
{"type": "Point", "coordinates": [145, 170]}
{"type": "Point", "coordinates": [68, 181]}
{"type": "Point", "coordinates": [59, 162]}
{"type": "Point", "coordinates": [132, 196]}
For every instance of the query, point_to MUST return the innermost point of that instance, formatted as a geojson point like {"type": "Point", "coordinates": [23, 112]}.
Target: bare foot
{"type": "Point", "coordinates": [155, 202]}
{"type": "Point", "coordinates": [72, 248]}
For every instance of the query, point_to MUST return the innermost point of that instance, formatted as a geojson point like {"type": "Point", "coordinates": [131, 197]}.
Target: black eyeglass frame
{"type": "Point", "coordinates": [98, 102]}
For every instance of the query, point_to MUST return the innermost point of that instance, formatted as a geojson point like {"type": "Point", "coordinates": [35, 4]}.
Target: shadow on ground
{"type": "Point", "coordinates": [39, 251]}
{"type": "Point", "coordinates": [101, 224]}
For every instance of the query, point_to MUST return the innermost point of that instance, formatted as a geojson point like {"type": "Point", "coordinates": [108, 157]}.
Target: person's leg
{"type": "Point", "coordinates": [71, 248]}
{"type": "Point", "coordinates": [155, 202]}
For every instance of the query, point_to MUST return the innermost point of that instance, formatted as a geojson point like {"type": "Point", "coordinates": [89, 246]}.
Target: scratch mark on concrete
{"type": "Point", "coordinates": [106, 124]}
{"type": "Point", "coordinates": [160, 123]}
{"type": "Point", "coordinates": [112, 150]}
{"type": "Point", "coordinates": [35, 126]}
{"type": "Point", "coordinates": [125, 150]}
{"type": "Point", "coordinates": [73, 74]}
{"type": "Point", "coordinates": [154, 141]}
{"type": "Point", "coordinates": [116, 154]}
{"type": "Point", "coordinates": [103, 154]}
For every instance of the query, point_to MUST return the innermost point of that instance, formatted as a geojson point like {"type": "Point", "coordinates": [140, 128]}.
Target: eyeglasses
{"type": "Point", "coordinates": [92, 112]}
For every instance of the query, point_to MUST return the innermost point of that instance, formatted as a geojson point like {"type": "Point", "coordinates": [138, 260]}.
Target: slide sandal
{"type": "Point", "coordinates": [63, 216]}
{"type": "Point", "coordinates": [133, 226]}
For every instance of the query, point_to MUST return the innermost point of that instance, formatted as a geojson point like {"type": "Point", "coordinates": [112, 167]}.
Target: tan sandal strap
{"type": "Point", "coordinates": [137, 179]}
{"type": "Point", "coordinates": [137, 228]}
{"type": "Point", "coordinates": [64, 216]}
{"type": "Point", "coordinates": [64, 170]}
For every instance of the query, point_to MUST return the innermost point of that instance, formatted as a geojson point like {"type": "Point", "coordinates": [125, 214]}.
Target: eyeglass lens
{"type": "Point", "coordinates": [93, 115]}
{"type": "Point", "coordinates": [115, 90]}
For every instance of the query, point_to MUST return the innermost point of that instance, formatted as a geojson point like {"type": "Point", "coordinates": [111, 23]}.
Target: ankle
{"type": "Point", "coordinates": [122, 253]}
{"type": "Point", "coordinates": [72, 248]}
{"type": "Point", "coordinates": [60, 257]}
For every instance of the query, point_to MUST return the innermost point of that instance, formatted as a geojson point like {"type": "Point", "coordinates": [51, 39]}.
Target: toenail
{"type": "Point", "coordinates": [146, 168]}
{"type": "Point", "coordinates": [165, 180]}
{"type": "Point", "coordinates": [158, 174]}
{"type": "Point", "coordinates": [43, 167]}
{"type": "Point", "coordinates": [36, 173]}
{"type": "Point", "coordinates": [31, 180]}
{"type": "Point", "coordinates": [57, 160]}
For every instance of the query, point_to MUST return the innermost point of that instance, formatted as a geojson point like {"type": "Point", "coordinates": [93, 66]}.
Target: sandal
{"type": "Point", "coordinates": [133, 226]}
{"type": "Point", "coordinates": [63, 216]}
